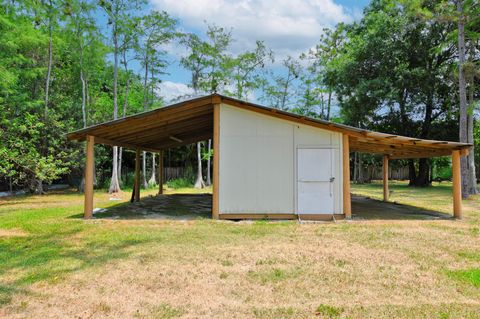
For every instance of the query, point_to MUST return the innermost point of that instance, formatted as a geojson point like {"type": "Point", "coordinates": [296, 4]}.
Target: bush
{"type": "Point", "coordinates": [180, 183]}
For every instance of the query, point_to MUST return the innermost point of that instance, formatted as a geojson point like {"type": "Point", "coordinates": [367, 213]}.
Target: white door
{"type": "Point", "coordinates": [315, 181]}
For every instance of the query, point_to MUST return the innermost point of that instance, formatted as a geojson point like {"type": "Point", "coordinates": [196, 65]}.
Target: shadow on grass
{"type": "Point", "coordinates": [365, 208]}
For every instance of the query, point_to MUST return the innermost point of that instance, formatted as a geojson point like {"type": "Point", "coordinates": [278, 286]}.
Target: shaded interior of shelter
{"type": "Point", "coordinates": [365, 208]}
{"type": "Point", "coordinates": [163, 207]}
{"type": "Point", "coordinates": [198, 206]}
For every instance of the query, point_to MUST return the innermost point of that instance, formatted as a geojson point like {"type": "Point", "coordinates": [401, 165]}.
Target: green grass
{"type": "Point", "coordinates": [327, 311]}
{"type": "Point", "coordinates": [262, 269]}
{"type": "Point", "coordinates": [471, 276]}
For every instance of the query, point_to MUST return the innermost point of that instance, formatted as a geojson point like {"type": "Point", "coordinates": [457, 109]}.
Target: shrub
{"type": "Point", "coordinates": [179, 183]}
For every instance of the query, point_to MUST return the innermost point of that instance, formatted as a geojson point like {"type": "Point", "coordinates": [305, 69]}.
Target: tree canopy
{"type": "Point", "coordinates": [404, 67]}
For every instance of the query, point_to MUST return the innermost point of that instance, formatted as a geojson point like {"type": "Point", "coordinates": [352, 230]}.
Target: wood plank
{"type": "Point", "coordinates": [347, 204]}
{"type": "Point", "coordinates": [216, 161]}
{"type": "Point", "coordinates": [89, 167]}
{"type": "Point", "coordinates": [457, 185]}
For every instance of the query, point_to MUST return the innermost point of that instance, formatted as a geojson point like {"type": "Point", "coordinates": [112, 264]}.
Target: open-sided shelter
{"type": "Point", "coordinates": [267, 163]}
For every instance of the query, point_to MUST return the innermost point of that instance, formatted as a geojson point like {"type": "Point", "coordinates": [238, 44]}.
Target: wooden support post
{"type": "Point", "coordinates": [457, 185]}
{"type": "Point", "coordinates": [160, 172]}
{"type": "Point", "coordinates": [88, 205]}
{"type": "Point", "coordinates": [137, 175]}
{"type": "Point", "coordinates": [385, 178]}
{"type": "Point", "coordinates": [347, 205]}
{"type": "Point", "coordinates": [216, 160]}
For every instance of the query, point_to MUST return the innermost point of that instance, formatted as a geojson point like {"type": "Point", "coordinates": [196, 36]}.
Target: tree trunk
{"type": "Point", "coordinates": [355, 172]}
{"type": "Point", "coordinates": [144, 170]}
{"type": "Point", "coordinates": [463, 136]}
{"type": "Point", "coordinates": [84, 98]}
{"type": "Point", "coordinates": [422, 178]}
{"type": "Point", "coordinates": [114, 184]}
{"type": "Point", "coordinates": [209, 180]}
{"type": "Point", "coordinates": [199, 181]}
{"type": "Point", "coordinates": [329, 103]}
{"type": "Point", "coordinates": [153, 179]}
{"type": "Point", "coordinates": [38, 187]}
{"type": "Point", "coordinates": [125, 104]}
{"type": "Point", "coordinates": [50, 61]}
{"type": "Point", "coordinates": [360, 169]}
{"type": "Point", "coordinates": [119, 173]}
{"type": "Point", "coordinates": [145, 89]}
{"type": "Point", "coordinates": [412, 174]}
{"type": "Point", "coordinates": [472, 176]}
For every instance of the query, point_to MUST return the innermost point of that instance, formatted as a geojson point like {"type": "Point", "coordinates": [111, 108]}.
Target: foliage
{"type": "Point", "coordinates": [33, 147]}
{"type": "Point", "coordinates": [182, 182]}
{"type": "Point", "coordinates": [395, 70]}
{"type": "Point", "coordinates": [281, 93]}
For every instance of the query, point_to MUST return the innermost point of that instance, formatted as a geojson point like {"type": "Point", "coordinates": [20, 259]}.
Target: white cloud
{"type": "Point", "coordinates": [286, 26]}
{"type": "Point", "coordinates": [174, 91]}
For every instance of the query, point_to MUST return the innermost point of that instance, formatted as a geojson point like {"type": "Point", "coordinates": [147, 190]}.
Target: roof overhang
{"type": "Point", "coordinates": [192, 121]}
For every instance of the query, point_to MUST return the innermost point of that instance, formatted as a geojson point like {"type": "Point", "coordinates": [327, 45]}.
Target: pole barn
{"type": "Point", "coordinates": [267, 163]}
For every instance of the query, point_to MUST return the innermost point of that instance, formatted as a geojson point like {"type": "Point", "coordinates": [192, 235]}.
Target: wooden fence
{"type": "Point", "coordinates": [376, 172]}
{"type": "Point", "coordinates": [170, 173]}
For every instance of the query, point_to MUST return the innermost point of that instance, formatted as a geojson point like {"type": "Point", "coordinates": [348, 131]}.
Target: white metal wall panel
{"type": "Point", "coordinates": [256, 163]}
{"type": "Point", "coordinates": [258, 173]}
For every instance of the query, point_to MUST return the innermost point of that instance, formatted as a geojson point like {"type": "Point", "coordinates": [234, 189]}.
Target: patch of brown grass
{"type": "Point", "coordinates": [13, 232]}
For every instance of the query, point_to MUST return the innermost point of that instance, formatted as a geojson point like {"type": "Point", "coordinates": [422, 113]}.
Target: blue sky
{"type": "Point", "coordinates": [288, 27]}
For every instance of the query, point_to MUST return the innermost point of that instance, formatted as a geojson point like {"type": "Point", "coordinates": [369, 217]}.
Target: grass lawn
{"type": "Point", "coordinates": [53, 264]}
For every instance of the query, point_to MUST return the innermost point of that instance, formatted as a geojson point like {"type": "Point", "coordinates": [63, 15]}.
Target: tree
{"type": "Point", "coordinates": [462, 94]}
{"type": "Point", "coordinates": [281, 92]}
{"type": "Point", "coordinates": [465, 15]}
{"type": "Point", "coordinates": [158, 28]}
{"type": "Point", "coordinates": [32, 149]}
{"type": "Point", "coordinates": [466, 12]}
{"type": "Point", "coordinates": [84, 35]}
{"type": "Point", "coordinates": [393, 73]}
{"type": "Point", "coordinates": [50, 11]}
{"type": "Point", "coordinates": [128, 43]}
{"type": "Point", "coordinates": [206, 62]}
{"type": "Point", "coordinates": [117, 11]}
{"type": "Point", "coordinates": [246, 70]}
{"type": "Point", "coordinates": [316, 82]}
